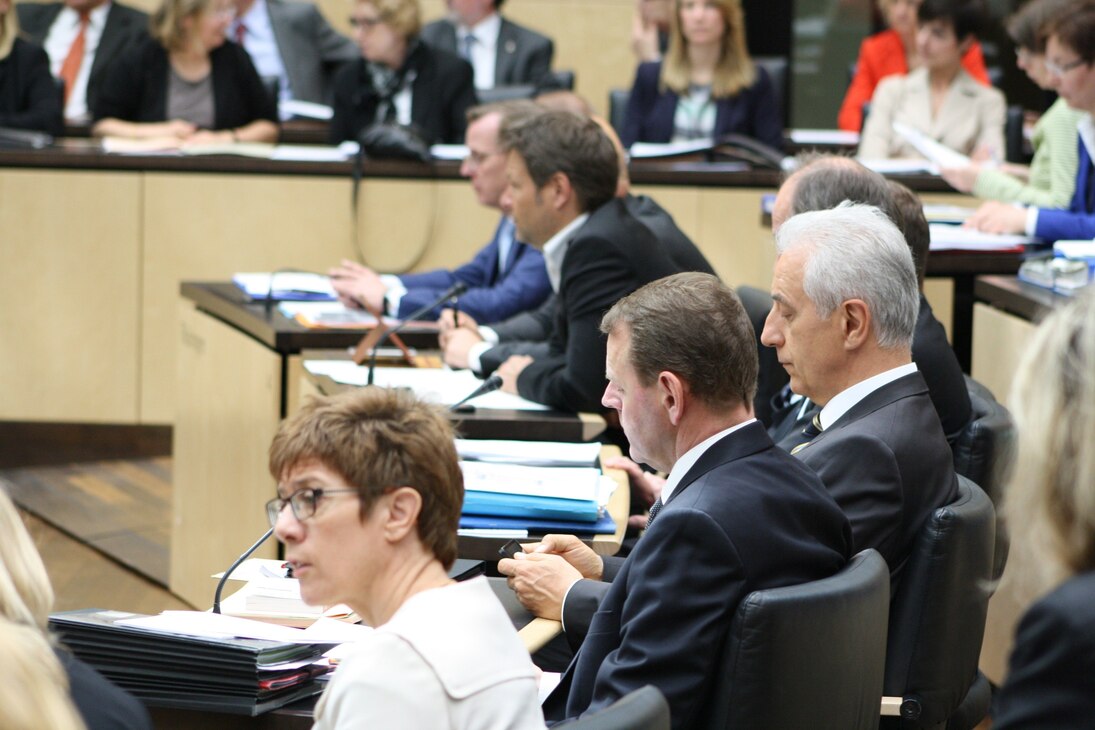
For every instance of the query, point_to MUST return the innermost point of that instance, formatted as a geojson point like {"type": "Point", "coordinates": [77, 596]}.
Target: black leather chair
{"type": "Point", "coordinates": [617, 108]}
{"type": "Point", "coordinates": [983, 454]}
{"type": "Point", "coordinates": [807, 656]}
{"type": "Point", "coordinates": [1014, 144]}
{"type": "Point", "coordinates": [937, 620]}
{"type": "Point", "coordinates": [562, 79]}
{"type": "Point", "coordinates": [506, 93]}
{"type": "Point", "coordinates": [771, 377]}
{"type": "Point", "coordinates": [643, 709]}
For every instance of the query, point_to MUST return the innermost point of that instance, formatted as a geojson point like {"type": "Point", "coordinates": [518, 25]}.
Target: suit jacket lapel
{"type": "Point", "coordinates": [115, 34]}
{"type": "Point", "coordinates": [505, 54]}
{"type": "Point", "coordinates": [903, 387]}
{"type": "Point", "coordinates": [745, 441]}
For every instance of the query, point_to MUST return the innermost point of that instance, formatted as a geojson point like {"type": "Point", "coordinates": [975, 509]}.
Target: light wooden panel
{"type": "Point", "coordinates": [230, 390]}
{"type": "Point", "coordinates": [999, 341]}
{"type": "Point", "coordinates": [69, 253]}
{"type": "Point", "coordinates": [940, 295]}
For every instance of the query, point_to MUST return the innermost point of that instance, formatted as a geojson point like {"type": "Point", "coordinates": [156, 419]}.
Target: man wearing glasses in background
{"type": "Point", "coordinates": [504, 278]}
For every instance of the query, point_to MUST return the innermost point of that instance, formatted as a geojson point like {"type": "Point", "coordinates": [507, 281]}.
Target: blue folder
{"type": "Point", "coordinates": [545, 508]}
{"type": "Point", "coordinates": [603, 526]}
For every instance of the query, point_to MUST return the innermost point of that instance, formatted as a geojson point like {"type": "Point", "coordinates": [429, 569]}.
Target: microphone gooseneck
{"type": "Point", "coordinates": [240, 559]}
{"type": "Point", "coordinates": [491, 384]}
{"type": "Point", "coordinates": [453, 291]}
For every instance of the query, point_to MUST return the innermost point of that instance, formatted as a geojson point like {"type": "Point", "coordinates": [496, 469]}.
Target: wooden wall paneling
{"type": "Point", "coordinates": [999, 340]}
{"type": "Point", "coordinates": [227, 414]}
{"type": "Point", "coordinates": [69, 295]}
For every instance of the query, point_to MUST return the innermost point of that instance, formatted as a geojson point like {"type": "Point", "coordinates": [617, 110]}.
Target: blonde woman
{"type": "Point", "coordinates": [893, 53]}
{"type": "Point", "coordinates": [26, 598]}
{"type": "Point", "coordinates": [28, 96]}
{"type": "Point", "coordinates": [399, 79]}
{"type": "Point", "coordinates": [1051, 511]}
{"type": "Point", "coordinates": [706, 86]}
{"type": "Point", "coordinates": [33, 691]}
{"type": "Point", "coordinates": [186, 82]}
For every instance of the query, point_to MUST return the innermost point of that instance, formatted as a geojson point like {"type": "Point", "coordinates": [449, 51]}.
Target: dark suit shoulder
{"type": "Point", "coordinates": [936, 361]}
{"type": "Point", "coordinates": [126, 14]}
{"type": "Point", "coordinates": [439, 33]}
{"type": "Point", "coordinates": [1049, 682]}
{"type": "Point", "coordinates": [527, 35]}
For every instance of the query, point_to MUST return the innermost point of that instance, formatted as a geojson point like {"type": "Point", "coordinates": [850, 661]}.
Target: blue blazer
{"type": "Point", "coordinates": [753, 112]}
{"type": "Point", "coordinates": [492, 295]}
{"type": "Point", "coordinates": [1078, 221]}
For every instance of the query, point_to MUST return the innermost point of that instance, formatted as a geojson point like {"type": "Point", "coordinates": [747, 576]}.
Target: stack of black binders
{"type": "Point", "coordinates": [241, 676]}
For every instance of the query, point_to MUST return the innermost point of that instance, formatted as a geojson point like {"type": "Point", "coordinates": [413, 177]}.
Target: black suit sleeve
{"type": "Point", "coordinates": [344, 123]}
{"type": "Point", "coordinates": [460, 91]}
{"type": "Point", "coordinates": [38, 101]}
{"type": "Point", "coordinates": [539, 63]}
{"type": "Point", "coordinates": [640, 102]}
{"type": "Point", "coordinates": [767, 119]}
{"type": "Point", "coordinates": [534, 325]}
{"type": "Point", "coordinates": [1049, 684]}
{"type": "Point", "coordinates": [573, 378]}
{"type": "Point", "coordinates": [122, 93]}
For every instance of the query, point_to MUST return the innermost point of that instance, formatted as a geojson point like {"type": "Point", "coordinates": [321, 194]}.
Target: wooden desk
{"type": "Point", "coordinates": [237, 375]}
{"type": "Point", "coordinates": [102, 276]}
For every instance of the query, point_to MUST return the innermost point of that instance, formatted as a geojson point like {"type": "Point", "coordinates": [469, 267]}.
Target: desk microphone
{"type": "Point", "coordinates": [491, 384]}
{"type": "Point", "coordinates": [240, 559]}
{"type": "Point", "coordinates": [453, 291]}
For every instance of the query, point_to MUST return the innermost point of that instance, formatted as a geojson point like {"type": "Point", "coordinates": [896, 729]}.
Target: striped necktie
{"type": "Point", "coordinates": [654, 510]}
{"type": "Point", "coordinates": [813, 428]}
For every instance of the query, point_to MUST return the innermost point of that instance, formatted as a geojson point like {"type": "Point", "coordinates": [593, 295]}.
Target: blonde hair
{"type": "Point", "coordinates": [1050, 504]}
{"type": "Point", "coordinates": [733, 72]}
{"type": "Point", "coordinates": [9, 29]}
{"type": "Point", "coordinates": [34, 693]}
{"type": "Point", "coordinates": [403, 16]}
{"type": "Point", "coordinates": [26, 596]}
{"type": "Point", "coordinates": [165, 24]}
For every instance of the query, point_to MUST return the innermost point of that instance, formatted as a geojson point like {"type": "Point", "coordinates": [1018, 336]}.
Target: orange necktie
{"type": "Point", "coordinates": [70, 69]}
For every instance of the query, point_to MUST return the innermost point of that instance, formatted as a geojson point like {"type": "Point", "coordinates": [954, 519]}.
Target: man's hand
{"type": "Point", "coordinates": [455, 345]}
{"type": "Point", "coordinates": [463, 321]}
{"type": "Point", "coordinates": [645, 487]}
{"type": "Point", "coordinates": [541, 581]}
{"type": "Point", "coordinates": [997, 217]}
{"type": "Point", "coordinates": [358, 285]}
{"type": "Point", "coordinates": [511, 369]}
{"type": "Point", "coordinates": [580, 556]}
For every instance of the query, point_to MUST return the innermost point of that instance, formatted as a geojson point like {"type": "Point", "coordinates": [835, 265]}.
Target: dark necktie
{"type": "Point", "coordinates": [654, 510]}
{"type": "Point", "coordinates": [813, 428]}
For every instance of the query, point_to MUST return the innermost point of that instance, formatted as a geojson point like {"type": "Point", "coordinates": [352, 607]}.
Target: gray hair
{"type": "Point", "coordinates": [857, 253]}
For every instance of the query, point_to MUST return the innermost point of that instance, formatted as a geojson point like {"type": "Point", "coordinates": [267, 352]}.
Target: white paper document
{"type": "Point", "coordinates": [641, 150]}
{"type": "Point", "coordinates": [449, 152]}
{"type": "Point", "coordinates": [899, 166]}
{"type": "Point", "coordinates": [436, 385]}
{"type": "Point", "coordinates": [309, 153]}
{"type": "Point", "coordinates": [532, 481]}
{"type": "Point", "coordinates": [938, 153]}
{"type": "Point", "coordinates": [529, 453]}
{"type": "Point", "coordinates": [840, 137]}
{"type": "Point", "coordinates": [257, 284]}
{"type": "Point", "coordinates": [956, 238]}
{"type": "Point", "coordinates": [305, 109]}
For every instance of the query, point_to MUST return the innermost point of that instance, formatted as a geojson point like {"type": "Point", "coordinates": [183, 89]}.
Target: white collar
{"type": "Point", "coordinates": [95, 18]}
{"type": "Point", "coordinates": [485, 31]}
{"type": "Point", "coordinates": [843, 401]}
{"type": "Point", "coordinates": [555, 250]}
{"type": "Point", "coordinates": [257, 12]}
{"type": "Point", "coordinates": [690, 457]}
{"type": "Point", "coordinates": [1086, 126]}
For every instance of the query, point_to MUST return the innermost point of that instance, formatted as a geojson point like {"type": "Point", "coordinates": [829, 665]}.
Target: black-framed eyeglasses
{"type": "Point", "coordinates": [302, 502]}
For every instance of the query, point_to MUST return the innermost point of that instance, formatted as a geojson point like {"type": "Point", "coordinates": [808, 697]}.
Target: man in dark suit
{"type": "Point", "coordinates": [736, 515]}
{"type": "Point", "coordinates": [505, 277]}
{"type": "Point", "coordinates": [107, 28]}
{"type": "Point", "coordinates": [822, 184]}
{"type": "Point", "coordinates": [294, 43]}
{"type": "Point", "coordinates": [876, 442]}
{"type": "Point", "coordinates": [562, 173]}
{"type": "Point", "coordinates": [502, 53]}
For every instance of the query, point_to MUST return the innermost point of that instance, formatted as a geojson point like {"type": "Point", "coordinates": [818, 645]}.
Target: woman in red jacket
{"type": "Point", "coordinates": [893, 51]}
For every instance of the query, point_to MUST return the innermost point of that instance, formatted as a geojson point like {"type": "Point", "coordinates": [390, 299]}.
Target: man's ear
{"type": "Point", "coordinates": [561, 190]}
{"type": "Point", "coordinates": [671, 390]}
{"type": "Point", "coordinates": [855, 323]}
{"type": "Point", "coordinates": [404, 504]}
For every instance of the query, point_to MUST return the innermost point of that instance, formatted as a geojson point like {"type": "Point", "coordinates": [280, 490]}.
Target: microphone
{"type": "Point", "coordinates": [453, 291]}
{"type": "Point", "coordinates": [491, 384]}
{"type": "Point", "coordinates": [240, 559]}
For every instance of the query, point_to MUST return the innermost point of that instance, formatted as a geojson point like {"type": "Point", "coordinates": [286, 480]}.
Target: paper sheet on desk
{"type": "Point", "coordinates": [956, 238]}
{"type": "Point", "coordinates": [309, 153]}
{"type": "Point", "coordinates": [529, 453]}
{"type": "Point", "coordinates": [437, 385]}
{"type": "Point", "coordinates": [641, 150]}
{"type": "Point", "coordinates": [825, 137]}
{"type": "Point", "coordinates": [899, 166]}
{"type": "Point", "coordinates": [449, 152]}
{"type": "Point", "coordinates": [940, 154]}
